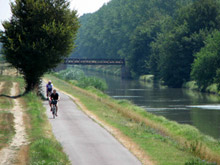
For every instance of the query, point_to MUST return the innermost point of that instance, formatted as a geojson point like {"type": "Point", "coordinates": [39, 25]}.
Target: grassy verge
{"type": "Point", "coordinates": [44, 149]}
{"type": "Point", "coordinates": [165, 141]}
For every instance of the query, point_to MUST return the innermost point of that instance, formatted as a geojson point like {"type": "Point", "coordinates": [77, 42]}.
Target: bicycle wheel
{"type": "Point", "coordinates": [54, 111]}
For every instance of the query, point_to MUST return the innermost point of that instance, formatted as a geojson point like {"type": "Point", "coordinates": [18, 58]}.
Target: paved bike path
{"type": "Point", "coordinates": [84, 141]}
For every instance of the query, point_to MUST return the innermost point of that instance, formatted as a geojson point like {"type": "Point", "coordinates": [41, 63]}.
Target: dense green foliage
{"type": "Point", "coordinates": [107, 33]}
{"type": "Point", "coordinates": [176, 47]}
{"type": "Point", "coordinates": [78, 78]}
{"type": "Point", "coordinates": [38, 36]}
{"type": "Point", "coordinates": [206, 67]}
{"type": "Point", "coordinates": [155, 37]}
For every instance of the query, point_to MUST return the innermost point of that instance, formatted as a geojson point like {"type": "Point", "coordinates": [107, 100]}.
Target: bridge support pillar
{"type": "Point", "coordinates": [125, 74]}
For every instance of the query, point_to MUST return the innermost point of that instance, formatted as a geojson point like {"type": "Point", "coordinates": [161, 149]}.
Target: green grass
{"type": "Point", "coordinates": [107, 69]}
{"type": "Point", "coordinates": [165, 141]}
{"type": "Point", "coordinates": [6, 128]}
{"type": "Point", "coordinates": [5, 102]}
{"type": "Point", "coordinates": [78, 78]}
{"type": "Point", "coordinates": [44, 149]}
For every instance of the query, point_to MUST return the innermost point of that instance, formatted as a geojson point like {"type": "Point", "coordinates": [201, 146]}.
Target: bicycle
{"type": "Point", "coordinates": [54, 108]}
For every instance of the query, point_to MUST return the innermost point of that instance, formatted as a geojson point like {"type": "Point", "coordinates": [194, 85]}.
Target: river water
{"type": "Point", "coordinates": [181, 105]}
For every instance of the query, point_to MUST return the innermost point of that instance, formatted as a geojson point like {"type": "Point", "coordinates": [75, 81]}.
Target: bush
{"type": "Point", "coordinates": [71, 74]}
{"type": "Point", "coordinates": [147, 78]}
{"type": "Point", "coordinates": [78, 78]}
{"type": "Point", "coordinates": [191, 85]}
{"type": "Point", "coordinates": [92, 81]}
{"type": "Point", "coordinates": [213, 88]}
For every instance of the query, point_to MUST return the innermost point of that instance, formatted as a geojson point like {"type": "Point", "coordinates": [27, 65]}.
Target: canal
{"type": "Point", "coordinates": [181, 105]}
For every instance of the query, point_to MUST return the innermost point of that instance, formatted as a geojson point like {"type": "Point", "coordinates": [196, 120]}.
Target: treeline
{"type": "Point", "coordinates": [176, 41]}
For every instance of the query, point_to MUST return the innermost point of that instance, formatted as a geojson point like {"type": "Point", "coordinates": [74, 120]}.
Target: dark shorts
{"type": "Point", "coordinates": [54, 102]}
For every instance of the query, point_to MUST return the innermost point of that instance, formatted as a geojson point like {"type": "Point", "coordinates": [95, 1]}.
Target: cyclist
{"type": "Point", "coordinates": [54, 98]}
{"type": "Point", "coordinates": [49, 88]}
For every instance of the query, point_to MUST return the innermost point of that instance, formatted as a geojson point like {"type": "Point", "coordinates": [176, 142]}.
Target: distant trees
{"type": "Point", "coordinates": [107, 32]}
{"type": "Point", "coordinates": [38, 36]}
{"type": "Point", "coordinates": [154, 36]}
{"type": "Point", "coordinates": [177, 47]}
{"type": "Point", "coordinates": [140, 53]}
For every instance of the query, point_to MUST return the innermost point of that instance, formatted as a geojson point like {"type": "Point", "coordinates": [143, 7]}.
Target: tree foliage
{"type": "Point", "coordinates": [154, 36]}
{"type": "Point", "coordinates": [107, 33]}
{"type": "Point", "coordinates": [177, 46]}
{"type": "Point", "coordinates": [206, 66]}
{"type": "Point", "coordinates": [38, 36]}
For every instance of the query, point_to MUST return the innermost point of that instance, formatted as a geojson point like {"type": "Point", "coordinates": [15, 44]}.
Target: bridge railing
{"type": "Point", "coordinates": [94, 61]}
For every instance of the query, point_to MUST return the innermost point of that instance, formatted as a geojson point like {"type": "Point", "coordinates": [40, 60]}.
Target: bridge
{"type": "Point", "coordinates": [76, 61]}
{"type": "Point", "coordinates": [73, 61]}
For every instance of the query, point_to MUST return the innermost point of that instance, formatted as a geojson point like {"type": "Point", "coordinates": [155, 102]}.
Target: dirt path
{"type": "Point", "coordinates": [1, 85]}
{"type": "Point", "coordinates": [8, 155]}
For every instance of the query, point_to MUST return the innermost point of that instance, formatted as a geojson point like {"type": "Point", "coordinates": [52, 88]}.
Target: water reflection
{"type": "Point", "coordinates": [206, 120]}
{"type": "Point", "coordinates": [181, 105]}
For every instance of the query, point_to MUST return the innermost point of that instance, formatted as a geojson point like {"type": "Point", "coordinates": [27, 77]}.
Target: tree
{"type": "Point", "coordinates": [177, 46]}
{"type": "Point", "coordinates": [38, 36]}
{"type": "Point", "coordinates": [205, 68]}
{"type": "Point", "coordinates": [139, 58]}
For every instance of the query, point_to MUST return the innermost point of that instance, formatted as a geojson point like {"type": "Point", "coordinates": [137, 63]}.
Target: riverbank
{"type": "Point", "coordinates": [164, 141]}
{"type": "Point", "coordinates": [212, 89]}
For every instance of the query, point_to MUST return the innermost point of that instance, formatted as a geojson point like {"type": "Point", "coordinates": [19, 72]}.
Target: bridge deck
{"type": "Point", "coordinates": [94, 61]}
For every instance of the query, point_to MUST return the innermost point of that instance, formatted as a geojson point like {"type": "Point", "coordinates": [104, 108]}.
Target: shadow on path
{"type": "Point", "coordinates": [21, 95]}
{"type": "Point", "coordinates": [12, 97]}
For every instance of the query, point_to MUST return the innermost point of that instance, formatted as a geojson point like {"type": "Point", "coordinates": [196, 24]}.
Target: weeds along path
{"type": "Point", "coordinates": [8, 155]}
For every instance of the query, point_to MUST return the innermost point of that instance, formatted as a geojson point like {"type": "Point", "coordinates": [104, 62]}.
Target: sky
{"type": "Point", "coordinates": [82, 6]}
